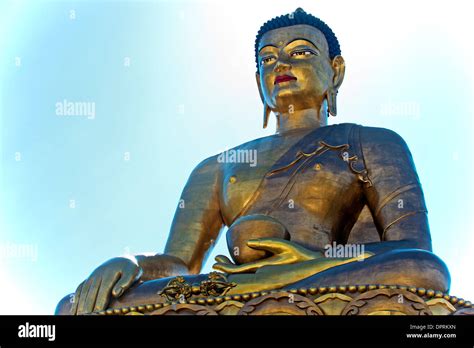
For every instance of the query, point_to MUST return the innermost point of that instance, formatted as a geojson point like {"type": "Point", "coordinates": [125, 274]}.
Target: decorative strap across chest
{"type": "Point", "coordinates": [291, 163]}
{"type": "Point", "coordinates": [343, 149]}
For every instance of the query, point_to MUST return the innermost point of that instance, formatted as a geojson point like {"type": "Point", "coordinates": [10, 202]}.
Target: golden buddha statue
{"type": "Point", "coordinates": [315, 187]}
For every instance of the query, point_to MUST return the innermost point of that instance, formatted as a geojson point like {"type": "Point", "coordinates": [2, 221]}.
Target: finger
{"type": "Point", "coordinates": [223, 267]}
{"type": "Point", "coordinates": [83, 296]}
{"type": "Point", "coordinates": [231, 268]}
{"type": "Point", "coordinates": [364, 256]}
{"type": "Point", "coordinates": [250, 266]}
{"type": "Point", "coordinates": [223, 259]}
{"type": "Point", "coordinates": [105, 291]}
{"type": "Point", "coordinates": [274, 245]}
{"type": "Point", "coordinates": [126, 280]}
{"type": "Point", "coordinates": [92, 295]}
{"type": "Point", "coordinates": [77, 296]}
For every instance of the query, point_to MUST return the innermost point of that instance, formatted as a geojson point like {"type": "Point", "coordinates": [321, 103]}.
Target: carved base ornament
{"type": "Point", "coordinates": [208, 298]}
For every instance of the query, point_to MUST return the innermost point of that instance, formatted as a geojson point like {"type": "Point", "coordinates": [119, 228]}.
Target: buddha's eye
{"type": "Point", "coordinates": [303, 53]}
{"type": "Point", "coordinates": [267, 60]}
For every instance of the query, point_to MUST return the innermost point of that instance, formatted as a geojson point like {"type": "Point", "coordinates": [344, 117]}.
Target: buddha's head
{"type": "Point", "coordinates": [299, 65]}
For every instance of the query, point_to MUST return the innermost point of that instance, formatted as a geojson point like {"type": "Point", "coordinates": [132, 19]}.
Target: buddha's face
{"type": "Point", "coordinates": [295, 70]}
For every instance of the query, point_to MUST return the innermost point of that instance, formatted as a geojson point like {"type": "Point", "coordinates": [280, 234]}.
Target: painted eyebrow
{"type": "Point", "coordinates": [297, 39]}
{"type": "Point", "coordinates": [266, 47]}
{"type": "Point", "coordinates": [312, 43]}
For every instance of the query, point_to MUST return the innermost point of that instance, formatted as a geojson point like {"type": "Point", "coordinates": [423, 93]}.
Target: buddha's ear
{"type": "Point", "coordinates": [257, 77]}
{"type": "Point", "coordinates": [266, 109]}
{"type": "Point", "coordinates": [339, 69]}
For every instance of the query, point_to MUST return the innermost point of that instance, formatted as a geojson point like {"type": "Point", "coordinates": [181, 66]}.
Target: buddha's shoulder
{"type": "Point", "coordinates": [258, 144]}
{"type": "Point", "coordinates": [367, 136]}
{"type": "Point", "coordinates": [366, 131]}
{"type": "Point", "coordinates": [215, 162]}
{"type": "Point", "coordinates": [379, 136]}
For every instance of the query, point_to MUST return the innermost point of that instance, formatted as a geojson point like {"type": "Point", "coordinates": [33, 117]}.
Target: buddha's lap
{"type": "Point", "coordinates": [410, 267]}
{"type": "Point", "coordinates": [406, 267]}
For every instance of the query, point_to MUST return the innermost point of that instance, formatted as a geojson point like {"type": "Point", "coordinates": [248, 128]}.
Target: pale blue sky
{"type": "Point", "coordinates": [188, 93]}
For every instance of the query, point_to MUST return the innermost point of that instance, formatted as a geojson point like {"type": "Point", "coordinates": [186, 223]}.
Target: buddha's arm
{"type": "Point", "coordinates": [197, 221]}
{"type": "Point", "coordinates": [196, 224]}
{"type": "Point", "coordinates": [395, 197]}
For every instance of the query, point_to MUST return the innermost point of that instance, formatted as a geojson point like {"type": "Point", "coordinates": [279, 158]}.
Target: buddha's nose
{"type": "Point", "coordinates": [281, 66]}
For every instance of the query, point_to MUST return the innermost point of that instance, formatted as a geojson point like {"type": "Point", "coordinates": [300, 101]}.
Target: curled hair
{"type": "Point", "coordinates": [295, 18]}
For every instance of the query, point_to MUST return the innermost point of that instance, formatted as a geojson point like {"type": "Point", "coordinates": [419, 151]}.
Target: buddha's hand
{"type": "Point", "coordinates": [284, 252]}
{"type": "Point", "coordinates": [112, 278]}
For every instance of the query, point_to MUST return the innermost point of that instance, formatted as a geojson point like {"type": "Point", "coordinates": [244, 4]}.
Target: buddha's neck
{"type": "Point", "coordinates": [306, 119]}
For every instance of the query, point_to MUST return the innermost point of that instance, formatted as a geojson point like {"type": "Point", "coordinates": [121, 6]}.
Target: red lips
{"type": "Point", "coordinates": [284, 78]}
